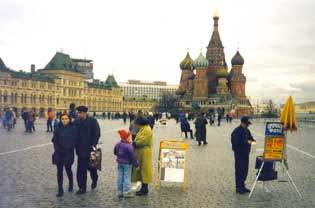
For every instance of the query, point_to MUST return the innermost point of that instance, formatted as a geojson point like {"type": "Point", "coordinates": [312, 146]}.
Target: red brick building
{"type": "Point", "coordinates": [207, 83]}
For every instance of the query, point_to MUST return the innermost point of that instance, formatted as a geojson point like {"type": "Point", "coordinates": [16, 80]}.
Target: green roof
{"type": "Point", "coordinates": [33, 76]}
{"type": "Point", "coordinates": [99, 86]}
{"type": "Point", "coordinates": [61, 61]}
{"type": "Point", "coordinates": [110, 81]}
{"type": "Point", "coordinates": [2, 66]}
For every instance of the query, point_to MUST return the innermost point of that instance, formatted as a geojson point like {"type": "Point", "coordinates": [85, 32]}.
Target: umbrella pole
{"type": "Point", "coordinates": [284, 161]}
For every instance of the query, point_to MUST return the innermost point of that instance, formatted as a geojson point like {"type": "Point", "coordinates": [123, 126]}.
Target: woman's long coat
{"type": "Point", "coordinates": [64, 141]}
{"type": "Point", "coordinates": [143, 144]}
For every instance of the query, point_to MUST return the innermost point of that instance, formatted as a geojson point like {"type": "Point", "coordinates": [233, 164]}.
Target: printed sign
{"type": "Point", "coordinates": [172, 162]}
{"type": "Point", "coordinates": [274, 147]}
{"type": "Point", "coordinates": [274, 129]}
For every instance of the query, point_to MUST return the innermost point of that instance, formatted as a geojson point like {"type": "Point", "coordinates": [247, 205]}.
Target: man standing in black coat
{"type": "Point", "coordinates": [201, 129]}
{"type": "Point", "coordinates": [89, 134]}
{"type": "Point", "coordinates": [241, 140]}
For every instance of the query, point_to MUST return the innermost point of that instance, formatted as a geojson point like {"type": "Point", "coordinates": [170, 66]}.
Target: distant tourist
{"type": "Point", "coordinates": [30, 121]}
{"type": "Point", "coordinates": [50, 118]}
{"type": "Point", "coordinates": [125, 158]}
{"type": "Point", "coordinates": [185, 127]}
{"type": "Point", "coordinates": [25, 119]}
{"type": "Point", "coordinates": [241, 140]}
{"type": "Point", "coordinates": [64, 140]}
{"type": "Point", "coordinates": [201, 130]}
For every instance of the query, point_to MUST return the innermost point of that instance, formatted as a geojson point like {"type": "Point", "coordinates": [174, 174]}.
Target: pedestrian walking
{"type": "Point", "coordinates": [30, 121]}
{"type": "Point", "coordinates": [185, 127]}
{"type": "Point", "coordinates": [201, 130]}
{"type": "Point", "coordinates": [25, 119]}
{"type": "Point", "coordinates": [89, 134]}
{"type": "Point", "coordinates": [50, 118]}
{"type": "Point", "coordinates": [241, 140]}
{"type": "Point", "coordinates": [126, 157]}
{"type": "Point", "coordinates": [9, 116]}
{"type": "Point", "coordinates": [64, 140]}
{"type": "Point", "coordinates": [124, 116]}
{"type": "Point", "coordinates": [143, 146]}
{"type": "Point", "coordinates": [219, 119]}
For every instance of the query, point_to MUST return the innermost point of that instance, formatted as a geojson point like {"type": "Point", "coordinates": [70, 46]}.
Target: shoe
{"type": "Point", "coordinates": [94, 184]}
{"type": "Point", "coordinates": [60, 193]}
{"type": "Point", "coordinates": [70, 189]}
{"type": "Point", "coordinates": [205, 143]}
{"type": "Point", "coordinates": [120, 195]}
{"type": "Point", "coordinates": [81, 191]}
{"type": "Point", "coordinates": [142, 193]}
{"type": "Point", "coordinates": [246, 190]}
{"type": "Point", "coordinates": [129, 194]}
{"type": "Point", "coordinates": [199, 143]}
{"type": "Point", "coordinates": [240, 191]}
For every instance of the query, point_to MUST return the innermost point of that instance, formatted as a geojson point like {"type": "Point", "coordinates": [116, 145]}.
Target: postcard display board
{"type": "Point", "coordinates": [172, 162]}
{"type": "Point", "coordinates": [274, 149]}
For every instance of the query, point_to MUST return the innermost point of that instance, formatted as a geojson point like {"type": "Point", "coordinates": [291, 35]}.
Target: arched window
{"type": "Point", "coordinates": [5, 97]}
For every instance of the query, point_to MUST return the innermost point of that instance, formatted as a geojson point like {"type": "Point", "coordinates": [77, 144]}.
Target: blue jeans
{"type": "Point", "coordinates": [124, 178]}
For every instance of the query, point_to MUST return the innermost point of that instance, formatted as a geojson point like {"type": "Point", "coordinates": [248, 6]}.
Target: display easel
{"type": "Point", "coordinates": [275, 147]}
{"type": "Point", "coordinates": [172, 145]}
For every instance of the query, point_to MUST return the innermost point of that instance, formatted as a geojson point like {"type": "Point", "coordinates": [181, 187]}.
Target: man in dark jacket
{"type": "Point", "coordinates": [201, 130]}
{"type": "Point", "coordinates": [241, 140]}
{"type": "Point", "coordinates": [89, 134]}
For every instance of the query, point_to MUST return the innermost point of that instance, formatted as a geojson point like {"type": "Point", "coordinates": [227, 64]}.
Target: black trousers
{"type": "Point", "coordinates": [49, 125]}
{"type": "Point", "coordinates": [241, 169]}
{"type": "Point", "coordinates": [191, 134]}
{"type": "Point", "coordinates": [60, 175]}
{"type": "Point", "coordinates": [83, 167]}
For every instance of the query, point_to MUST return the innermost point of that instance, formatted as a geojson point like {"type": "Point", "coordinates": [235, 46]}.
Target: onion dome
{"type": "Point", "coordinates": [237, 59]}
{"type": "Point", "coordinates": [201, 62]}
{"type": "Point", "coordinates": [187, 63]}
{"type": "Point", "coordinates": [222, 72]}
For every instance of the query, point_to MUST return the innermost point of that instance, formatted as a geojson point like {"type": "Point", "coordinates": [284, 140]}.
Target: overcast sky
{"type": "Point", "coordinates": [146, 39]}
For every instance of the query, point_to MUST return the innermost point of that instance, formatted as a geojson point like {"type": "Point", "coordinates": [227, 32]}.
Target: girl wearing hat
{"type": "Point", "coordinates": [64, 139]}
{"type": "Point", "coordinates": [125, 158]}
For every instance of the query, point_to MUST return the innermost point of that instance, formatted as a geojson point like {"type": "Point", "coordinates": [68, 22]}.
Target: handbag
{"type": "Point", "coordinates": [96, 159]}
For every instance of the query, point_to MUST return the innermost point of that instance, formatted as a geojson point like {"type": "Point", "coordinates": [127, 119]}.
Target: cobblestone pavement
{"type": "Point", "coordinates": [28, 179]}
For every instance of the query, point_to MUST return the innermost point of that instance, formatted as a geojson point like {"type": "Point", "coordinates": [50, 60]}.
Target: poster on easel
{"type": "Point", "coordinates": [274, 141]}
{"type": "Point", "coordinates": [172, 162]}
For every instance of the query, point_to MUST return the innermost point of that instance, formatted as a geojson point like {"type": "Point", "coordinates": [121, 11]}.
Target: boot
{"type": "Point", "coordinates": [144, 190]}
{"type": "Point", "coordinates": [60, 193]}
{"type": "Point", "coordinates": [94, 184]}
{"type": "Point", "coordinates": [81, 191]}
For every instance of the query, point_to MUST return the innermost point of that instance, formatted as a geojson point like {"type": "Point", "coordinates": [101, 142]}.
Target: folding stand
{"type": "Point", "coordinates": [287, 172]}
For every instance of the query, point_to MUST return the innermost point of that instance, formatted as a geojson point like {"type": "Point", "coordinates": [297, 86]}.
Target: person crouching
{"type": "Point", "coordinates": [64, 139]}
{"type": "Point", "coordinates": [126, 157]}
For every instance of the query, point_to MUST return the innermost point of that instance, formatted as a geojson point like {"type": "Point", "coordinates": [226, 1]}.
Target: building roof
{"type": "Point", "coordinates": [82, 60]}
{"type": "Point", "coordinates": [61, 61]}
{"type": "Point", "coordinates": [187, 63]}
{"type": "Point", "coordinates": [110, 81]}
{"type": "Point", "coordinates": [33, 76]}
{"type": "Point", "coordinates": [215, 41]}
{"type": "Point", "coordinates": [222, 72]}
{"type": "Point", "coordinates": [3, 66]}
{"type": "Point", "coordinates": [237, 59]}
{"type": "Point", "coordinates": [201, 61]}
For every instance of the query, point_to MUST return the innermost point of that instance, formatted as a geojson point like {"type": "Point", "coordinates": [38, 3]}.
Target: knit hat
{"type": "Point", "coordinates": [124, 134]}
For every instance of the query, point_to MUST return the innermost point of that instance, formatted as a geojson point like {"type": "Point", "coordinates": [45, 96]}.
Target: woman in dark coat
{"type": "Point", "coordinates": [64, 139]}
{"type": "Point", "coordinates": [185, 127]}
